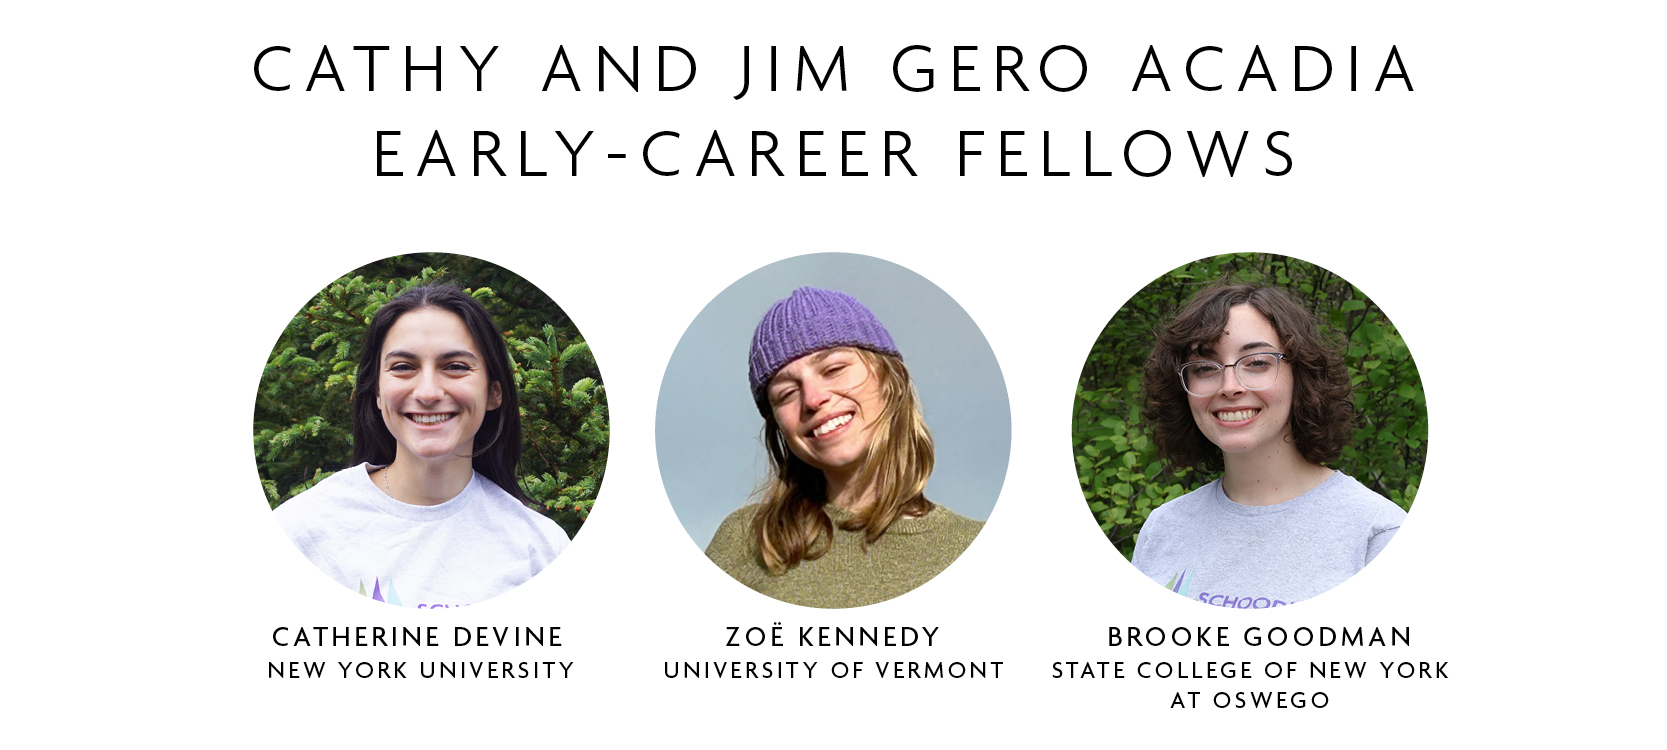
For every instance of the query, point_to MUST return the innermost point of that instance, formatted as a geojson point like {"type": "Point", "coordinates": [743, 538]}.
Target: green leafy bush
{"type": "Point", "coordinates": [303, 420]}
{"type": "Point", "coordinates": [1122, 477]}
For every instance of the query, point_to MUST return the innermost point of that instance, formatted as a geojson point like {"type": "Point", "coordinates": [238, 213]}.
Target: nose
{"type": "Point", "coordinates": [428, 386]}
{"type": "Point", "coordinates": [1230, 384]}
{"type": "Point", "coordinates": [814, 396]}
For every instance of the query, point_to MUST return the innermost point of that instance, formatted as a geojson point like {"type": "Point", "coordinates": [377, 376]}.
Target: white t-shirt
{"type": "Point", "coordinates": [468, 549]}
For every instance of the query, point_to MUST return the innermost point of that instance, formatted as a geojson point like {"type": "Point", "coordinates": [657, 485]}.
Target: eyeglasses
{"type": "Point", "coordinates": [1255, 372]}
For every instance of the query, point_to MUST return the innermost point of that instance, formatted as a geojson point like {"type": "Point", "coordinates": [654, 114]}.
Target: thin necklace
{"type": "Point", "coordinates": [386, 470]}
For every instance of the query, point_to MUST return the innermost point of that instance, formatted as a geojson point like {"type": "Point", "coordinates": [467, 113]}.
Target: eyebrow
{"type": "Point", "coordinates": [1210, 351]}
{"type": "Point", "coordinates": [780, 378]}
{"type": "Point", "coordinates": [813, 358]}
{"type": "Point", "coordinates": [458, 354]}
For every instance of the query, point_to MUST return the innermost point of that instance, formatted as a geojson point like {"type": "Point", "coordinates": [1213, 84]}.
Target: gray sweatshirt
{"type": "Point", "coordinates": [1206, 547]}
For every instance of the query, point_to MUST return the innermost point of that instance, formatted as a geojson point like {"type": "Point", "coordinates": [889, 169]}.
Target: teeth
{"type": "Point", "coordinates": [1236, 416]}
{"type": "Point", "coordinates": [831, 425]}
{"type": "Point", "coordinates": [431, 418]}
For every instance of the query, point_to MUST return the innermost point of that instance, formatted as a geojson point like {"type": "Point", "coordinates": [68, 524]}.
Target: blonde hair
{"type": "Point", "coordinates": [793, 526]}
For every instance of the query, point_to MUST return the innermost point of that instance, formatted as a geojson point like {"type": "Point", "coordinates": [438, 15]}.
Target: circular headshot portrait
{"type": "Point", "coordinates": [833, 430]}
{"type": "Point", "coordinates": [431, 430]}
{"type": "Point", "coordinates": [1250, 430]}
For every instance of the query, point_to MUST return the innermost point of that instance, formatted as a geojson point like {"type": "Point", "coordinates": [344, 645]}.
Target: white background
{"type": "Point", "coordinates": [165, 215]}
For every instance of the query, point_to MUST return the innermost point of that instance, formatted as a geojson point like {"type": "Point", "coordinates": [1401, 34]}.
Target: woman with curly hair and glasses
{"type": "Point", "coordinates": [844, 520]}
{"type": "Point", "coordinates": [1243, 381]}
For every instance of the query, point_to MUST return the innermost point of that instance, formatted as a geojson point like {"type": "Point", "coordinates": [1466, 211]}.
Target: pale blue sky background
{"type": "Point", "coordinates": [708, 433]}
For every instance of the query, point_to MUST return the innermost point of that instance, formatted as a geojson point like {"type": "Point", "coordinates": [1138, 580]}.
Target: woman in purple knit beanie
{"type": "Point", "coordinates": [843, 519]}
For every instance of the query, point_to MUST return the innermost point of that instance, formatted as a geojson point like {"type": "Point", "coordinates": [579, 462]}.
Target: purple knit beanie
{"type": "Point", "coordinates": [809, 321]}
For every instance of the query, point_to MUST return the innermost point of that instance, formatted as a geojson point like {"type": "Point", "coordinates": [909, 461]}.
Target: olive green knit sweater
{"type": "Point", "coordinates": [910, 553]}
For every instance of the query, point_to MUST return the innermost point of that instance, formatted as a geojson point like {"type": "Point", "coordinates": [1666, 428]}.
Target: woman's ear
{"type": "Point", "coordinates": [496, 399]}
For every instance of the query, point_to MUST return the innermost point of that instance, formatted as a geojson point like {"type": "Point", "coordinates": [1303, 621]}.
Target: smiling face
{"type": "Point", "coordinates": [1239, 420]}
{"type": "Point", "coordinates": [433, 389]}
{"type": "Point", "coordinates": [826, 405]}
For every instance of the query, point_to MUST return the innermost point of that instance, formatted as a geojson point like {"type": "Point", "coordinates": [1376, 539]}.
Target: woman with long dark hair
{"type": "Point", "coordinates": [430, 513]}
{"type": "Point", "coordinates": [1244, 381]}
{"type": "Point", "coordinates": [843, 519]}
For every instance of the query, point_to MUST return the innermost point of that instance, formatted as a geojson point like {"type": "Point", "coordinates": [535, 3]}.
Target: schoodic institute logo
{"type": "Point", "coordinates": [376, 591]}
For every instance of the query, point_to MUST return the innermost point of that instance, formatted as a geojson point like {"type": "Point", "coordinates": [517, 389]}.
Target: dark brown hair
{"type": "Point", "coordinates": [1322, 399]}
{"type": "Point", "coordinates": [792, 524]}
{"type": "Point", "coordinates": [497, 445]}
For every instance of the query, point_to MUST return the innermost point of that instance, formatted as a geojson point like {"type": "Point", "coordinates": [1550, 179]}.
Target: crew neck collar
{"type": "Point", "coordinates": [903, 524]}
{"type": "Point", "coordinates": [422, 513]}
{"type": "Point", "coordinates": [1318, 494]}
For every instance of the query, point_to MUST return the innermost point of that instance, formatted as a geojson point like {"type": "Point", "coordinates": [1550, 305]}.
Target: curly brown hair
{"type": "Point", "coordinates": [1322, 400]}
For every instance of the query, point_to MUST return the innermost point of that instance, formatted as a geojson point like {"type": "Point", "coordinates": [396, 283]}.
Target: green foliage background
{"type": "Point", "coordinates": [304, 424]}
{"type": "Point", "coordinates": [1122, 477]}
